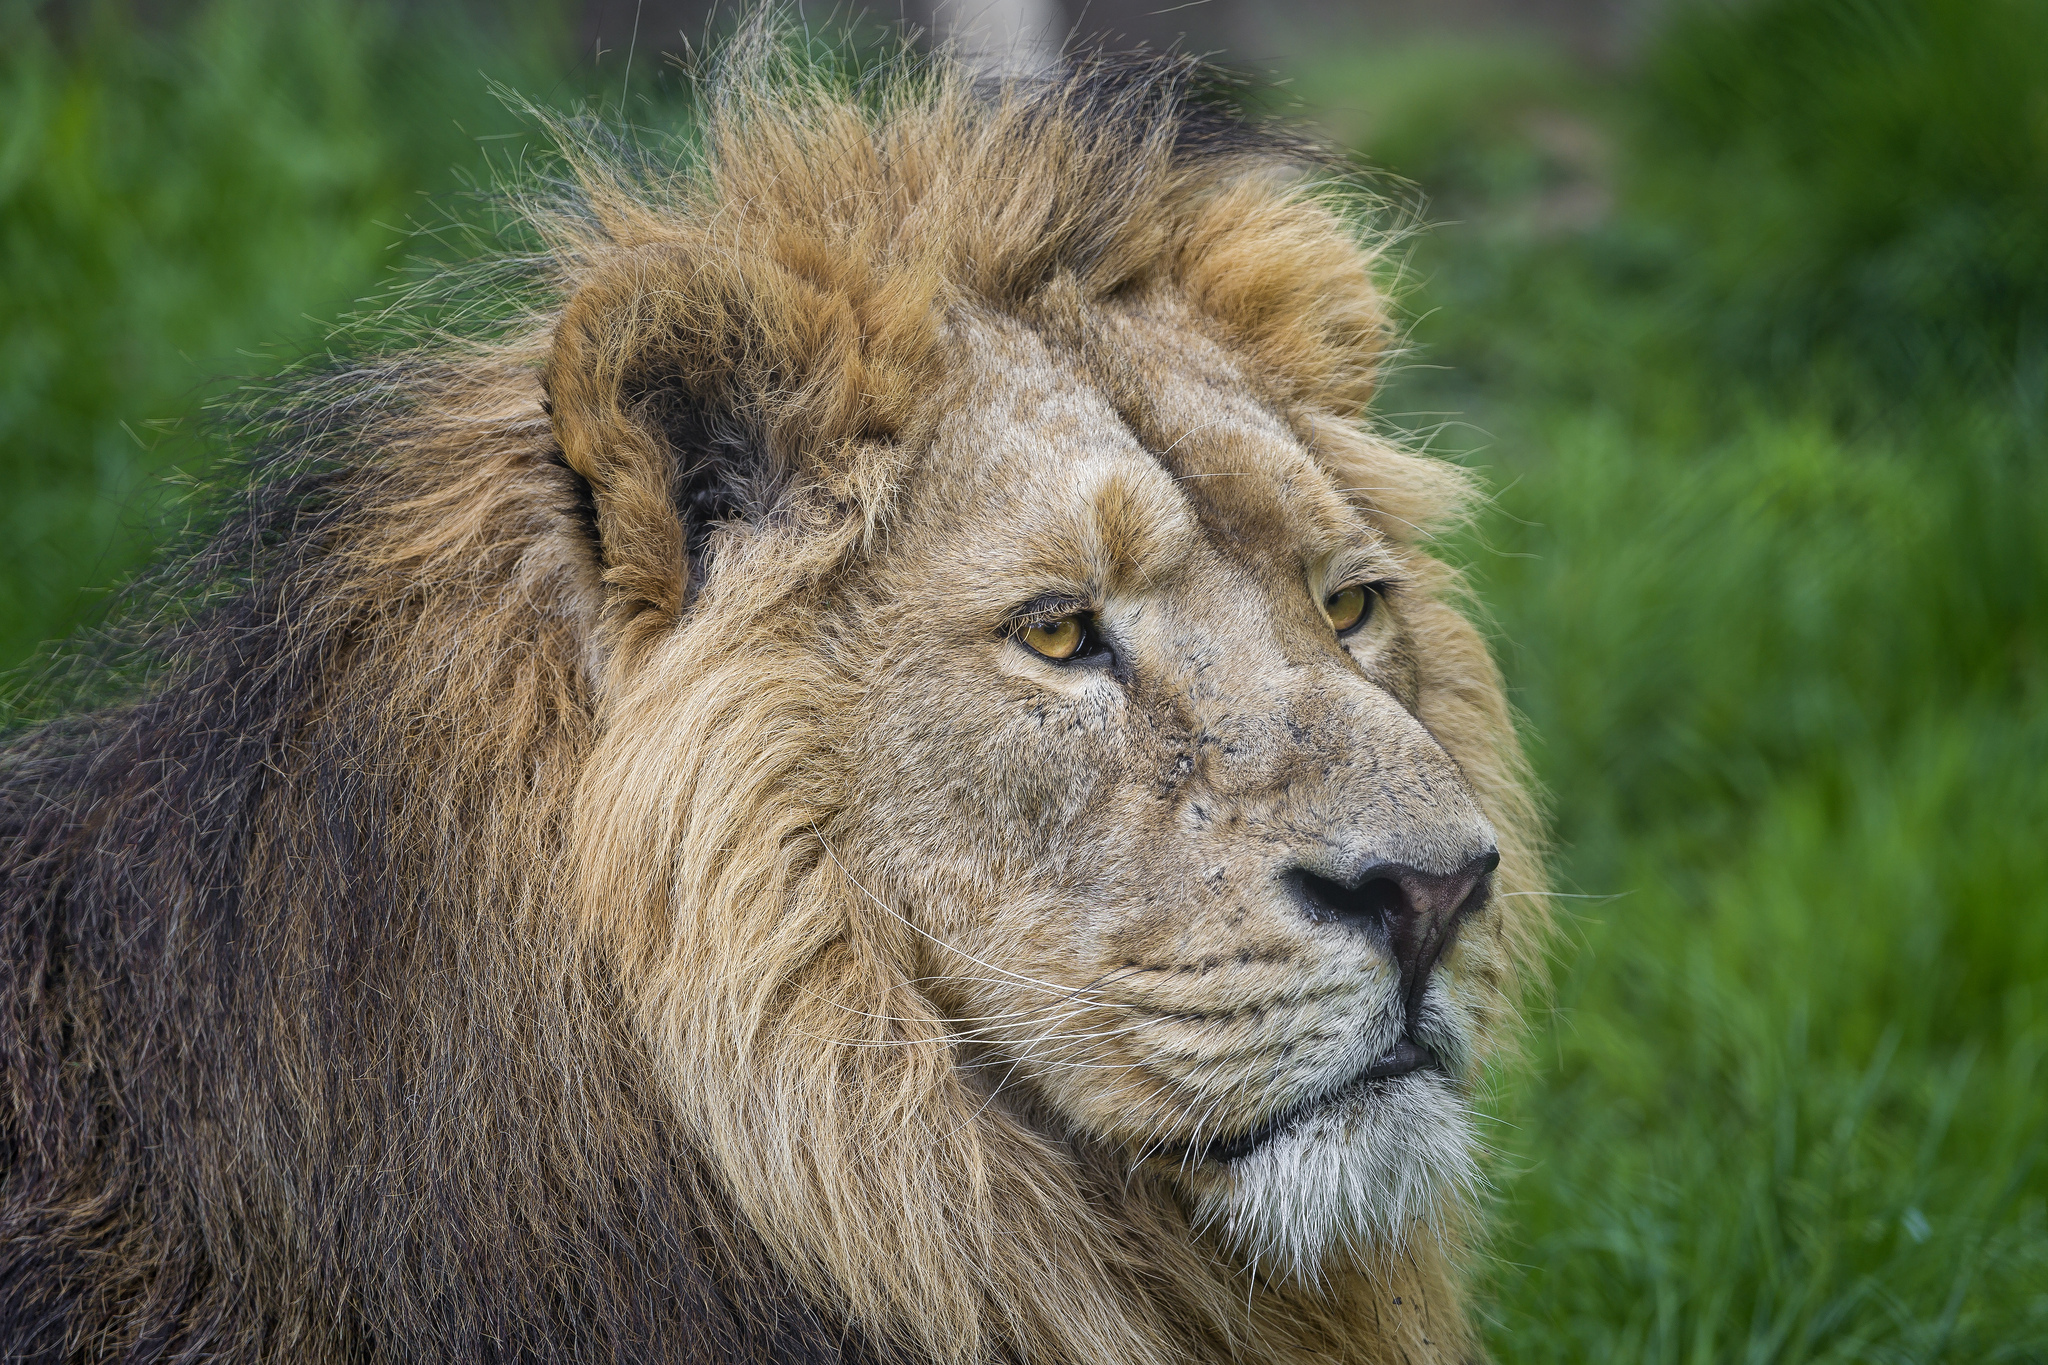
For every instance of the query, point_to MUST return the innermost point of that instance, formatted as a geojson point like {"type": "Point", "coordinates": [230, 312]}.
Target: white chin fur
{"type": "Point", "coordinates": [1357, 1175]}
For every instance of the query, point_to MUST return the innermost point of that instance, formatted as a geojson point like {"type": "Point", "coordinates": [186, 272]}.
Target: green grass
{"type": "Point", "coordinates": [1792, 1102]}
{"type": "Point", "coordinates": [1751, 342]}
{"type": "Point", "coordinates": [187, 207]}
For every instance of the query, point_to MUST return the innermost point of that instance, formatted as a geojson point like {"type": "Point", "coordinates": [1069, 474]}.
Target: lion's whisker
{"type": "Point", "coordinates": [1034, 1011]}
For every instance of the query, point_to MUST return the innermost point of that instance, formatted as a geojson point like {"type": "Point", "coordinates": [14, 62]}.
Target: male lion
{"type": "Point", "coordinates": [885, 778]}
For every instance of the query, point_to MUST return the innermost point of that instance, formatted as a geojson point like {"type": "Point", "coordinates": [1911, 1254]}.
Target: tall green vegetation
{"type": "Point", "coordinates": [1750, 341]}
{"type": "Point", "coordinates": [191, 204]}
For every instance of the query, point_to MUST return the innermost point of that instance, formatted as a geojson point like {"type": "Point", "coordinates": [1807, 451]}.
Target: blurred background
{"type": "Point", "coordinates": [1741, 311]}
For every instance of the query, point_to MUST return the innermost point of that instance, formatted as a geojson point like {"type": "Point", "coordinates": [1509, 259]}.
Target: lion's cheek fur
{"type": "Point", "coordinates": [989, 767]}
{"type": "Point", "coordinates": [773, 984]}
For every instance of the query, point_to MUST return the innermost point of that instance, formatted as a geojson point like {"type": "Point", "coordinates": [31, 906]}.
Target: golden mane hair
{"type": "Point", "coordinates": [454, 947]}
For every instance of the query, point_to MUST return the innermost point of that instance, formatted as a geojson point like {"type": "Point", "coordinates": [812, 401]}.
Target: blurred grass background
{"type": "Point", "coordinates": [1749, 334]}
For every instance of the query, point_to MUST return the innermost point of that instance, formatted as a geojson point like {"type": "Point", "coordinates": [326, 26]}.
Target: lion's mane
{"type": "Point", "coordinates": [441, 950]}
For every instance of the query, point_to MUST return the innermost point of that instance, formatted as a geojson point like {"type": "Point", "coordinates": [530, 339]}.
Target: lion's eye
{"type": "Point", "coordinates": [1061, 639]}
{"type": "Point", "coordinates": [1349, 607]}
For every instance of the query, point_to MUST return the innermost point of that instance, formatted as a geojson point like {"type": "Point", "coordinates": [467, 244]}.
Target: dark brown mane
{"type": "Point", "coordinates": [299, 1065]}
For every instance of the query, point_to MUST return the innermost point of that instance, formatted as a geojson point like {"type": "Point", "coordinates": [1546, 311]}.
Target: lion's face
{"type": "Point", "coordinates": [1206, 891]}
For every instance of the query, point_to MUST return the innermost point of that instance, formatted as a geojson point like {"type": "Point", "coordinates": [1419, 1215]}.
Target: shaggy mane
{"type": "Point", "coordinates": [449, 950]}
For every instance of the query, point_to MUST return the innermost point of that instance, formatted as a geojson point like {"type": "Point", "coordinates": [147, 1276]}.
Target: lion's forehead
{"type": "Point", "coordinates": [1150, 434]}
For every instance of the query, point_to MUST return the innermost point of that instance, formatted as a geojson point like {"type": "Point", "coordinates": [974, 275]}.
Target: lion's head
{"type": "Point", "coordinates": [1056, 833]}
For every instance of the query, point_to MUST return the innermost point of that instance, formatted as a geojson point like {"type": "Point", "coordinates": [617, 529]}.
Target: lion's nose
{"type": "Point", "coordinates": [1414, 913]}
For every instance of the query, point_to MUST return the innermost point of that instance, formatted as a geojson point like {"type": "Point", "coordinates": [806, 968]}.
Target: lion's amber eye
{"type": "Point", "coordinates": [1348, 607]}
{"type": "Point", "coordinates": [1055, 639]}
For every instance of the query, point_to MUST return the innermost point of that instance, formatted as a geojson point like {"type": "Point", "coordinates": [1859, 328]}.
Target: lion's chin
{"type": "Point", "coordinates": [1355, 1176]}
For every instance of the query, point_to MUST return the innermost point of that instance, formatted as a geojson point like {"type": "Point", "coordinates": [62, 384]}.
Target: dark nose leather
{"type": "Point", "coordinates": [1415, 914]}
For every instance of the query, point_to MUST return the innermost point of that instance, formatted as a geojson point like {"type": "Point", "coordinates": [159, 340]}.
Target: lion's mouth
{"type": "Point", "coordinates": [1404, 1058]}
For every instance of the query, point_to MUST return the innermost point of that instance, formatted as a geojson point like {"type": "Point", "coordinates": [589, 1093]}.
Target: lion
{"type": "Point", "coordinates": [879, 771]}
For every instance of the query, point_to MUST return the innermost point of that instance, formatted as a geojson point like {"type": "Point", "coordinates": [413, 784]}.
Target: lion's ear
{"type": "Point", "coordinates": [646, 414]}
